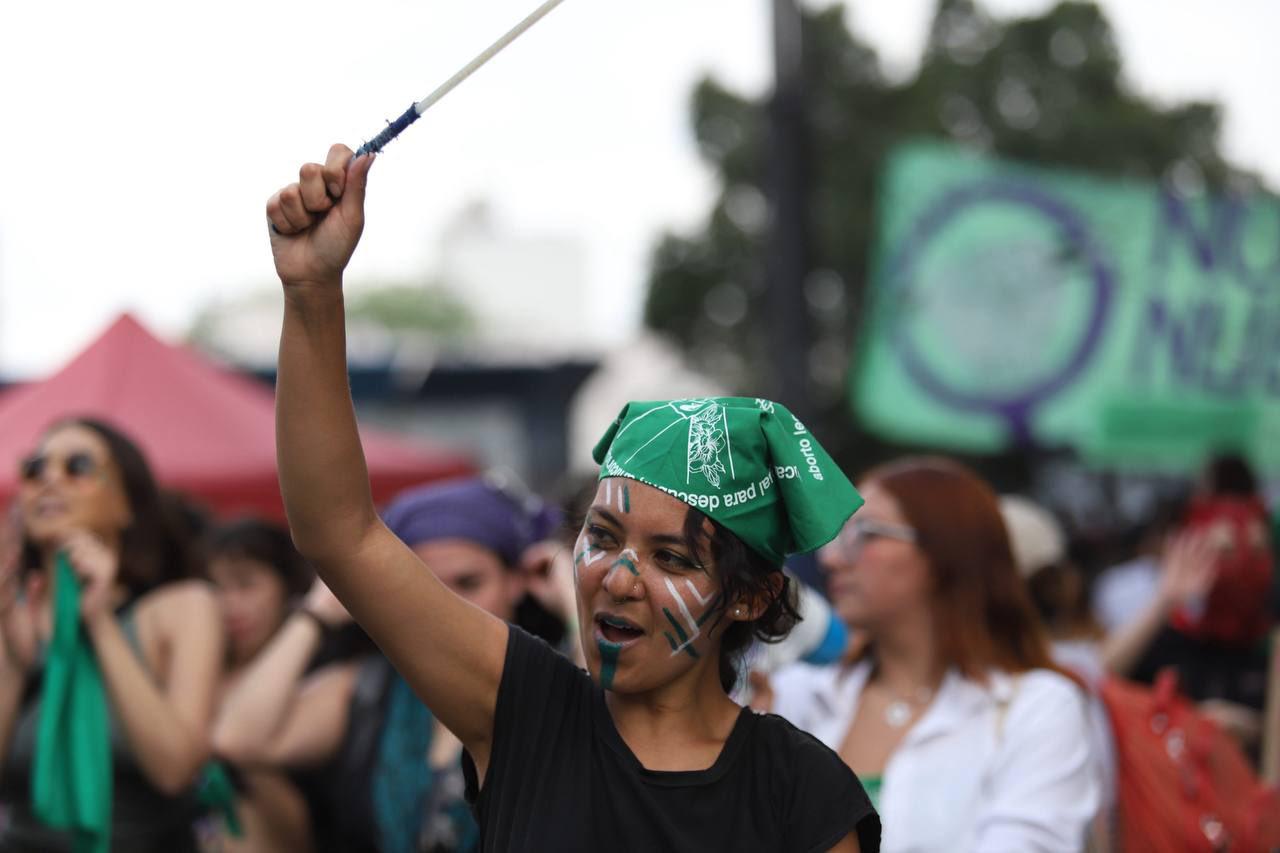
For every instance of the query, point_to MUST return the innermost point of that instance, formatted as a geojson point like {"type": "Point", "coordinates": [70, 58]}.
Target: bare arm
{"type": "Point", "coordinates": [1187, 572]}
{"type": "Point", "coordinates": [11, 679]}
{"type": "Point", "coordinates": [449, 651]}
{"type": "Point", "coordinates": [11, 672]}
{"type": "Point", "coordinates": [275, 816]}
{"type": "Point", "coordinates": [1271, 717]}
{"type": "Point", "coordinates": [253, 709]}
{"type": "Point", "coordinates": [166, 727]}
{"type": "Point", "coordinates": [1125, 646]}
{"type": "Point", "coordinates": [17, 634]}
{"type": "Point", "coordinates": [848, 844]}
{"type": "Point", "coordinates": [312, 731]}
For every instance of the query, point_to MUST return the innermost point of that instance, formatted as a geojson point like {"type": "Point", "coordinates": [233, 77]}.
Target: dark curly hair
{"type": "Point", "coordinates": [745, 576]}
{"type": "Point", "coordinates": [267, 543]}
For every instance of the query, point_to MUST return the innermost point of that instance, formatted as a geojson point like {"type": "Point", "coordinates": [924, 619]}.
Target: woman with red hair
{"type": "Point", "coordinates": [949, 709]}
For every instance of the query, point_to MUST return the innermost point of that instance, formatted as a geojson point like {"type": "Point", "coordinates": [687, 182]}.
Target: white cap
{"type": "Point", "coordinates": [1035, 535]}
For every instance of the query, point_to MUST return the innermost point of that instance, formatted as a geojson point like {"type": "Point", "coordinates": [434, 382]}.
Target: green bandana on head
{"type": "Point", "coordinates": [748, 464]}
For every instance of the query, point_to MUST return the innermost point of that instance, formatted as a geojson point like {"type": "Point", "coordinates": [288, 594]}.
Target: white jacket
{"type": "Point", "coordinates": [997, 768]}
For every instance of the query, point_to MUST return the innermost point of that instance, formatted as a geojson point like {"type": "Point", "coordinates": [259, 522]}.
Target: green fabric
{"type": "Point", "coordinates": [216, 794]}
{"type": "Point", "coordinates": [1011, 305]}
{"type": "Point", "coordinates": [71, 774]}
{"type": "Point", "coordinates": [872, 785]}
{"type": "Point", "coordinates": [747, 463]}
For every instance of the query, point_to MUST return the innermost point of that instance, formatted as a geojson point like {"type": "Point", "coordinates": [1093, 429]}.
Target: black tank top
{"type": "Point", "coordinates": [143, 820]}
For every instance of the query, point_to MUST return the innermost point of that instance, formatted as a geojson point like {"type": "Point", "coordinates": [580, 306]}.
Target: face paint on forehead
{"type": "Point", "coordinates": [617, 494]}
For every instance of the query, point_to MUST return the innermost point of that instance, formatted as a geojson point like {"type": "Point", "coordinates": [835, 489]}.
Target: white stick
{"type": "Point", "coordinates": [494, 49]}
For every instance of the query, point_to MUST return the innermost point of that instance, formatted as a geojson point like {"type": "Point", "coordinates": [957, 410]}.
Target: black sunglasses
{"type": "Point", "coordinates": [76, 466]}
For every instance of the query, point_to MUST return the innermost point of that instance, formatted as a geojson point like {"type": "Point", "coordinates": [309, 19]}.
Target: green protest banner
{"type": "Point", "coordinates": [1018, 305]}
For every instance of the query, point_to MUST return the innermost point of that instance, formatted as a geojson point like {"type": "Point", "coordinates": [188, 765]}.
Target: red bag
{"type": "Point", "coordinates": [1236, 612]}
{"type": "Point", "coordinates": [1183, 784]}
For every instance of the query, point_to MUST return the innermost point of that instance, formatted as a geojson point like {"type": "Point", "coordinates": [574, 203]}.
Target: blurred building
{"type": "Point", "coordinates": [648, 367]}
{"type": "Point", "coordinates": [527, 385]}
{"type": "Point", "coordinates": [524, 290]}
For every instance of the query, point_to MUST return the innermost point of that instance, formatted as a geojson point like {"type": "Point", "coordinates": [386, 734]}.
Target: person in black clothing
{"type": "Point", "coordinates": [647, 751]}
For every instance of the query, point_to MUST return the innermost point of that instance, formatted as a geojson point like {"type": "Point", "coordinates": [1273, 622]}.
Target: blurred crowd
{"type": "Point", "coordinates": [989, 691]}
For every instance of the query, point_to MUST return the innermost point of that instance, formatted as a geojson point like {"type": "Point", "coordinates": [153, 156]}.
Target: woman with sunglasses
{"type": "Point", "coordinates": [949, 708]}
{"type": "Point", "coordinates": [676, 571]}
{"type": "Point", "coordinates": [87, 498]}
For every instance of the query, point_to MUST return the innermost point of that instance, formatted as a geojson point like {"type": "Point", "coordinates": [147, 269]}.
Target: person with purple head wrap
{"type": "Point", "coordinates": [477, 510]}
{"type": "Point", "coordinates": [474, 534]}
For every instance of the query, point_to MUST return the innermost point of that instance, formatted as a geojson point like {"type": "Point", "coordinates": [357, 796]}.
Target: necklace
{"type": "Point", "coordinates": [899, 711]}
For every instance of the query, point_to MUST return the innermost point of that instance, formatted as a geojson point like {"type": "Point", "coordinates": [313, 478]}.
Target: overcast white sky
{"type": "Point", "coordinates": [143, 137]}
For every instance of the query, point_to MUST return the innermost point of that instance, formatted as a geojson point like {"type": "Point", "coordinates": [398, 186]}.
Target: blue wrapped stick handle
{"type": "Point", "coordinates": [395, 128]}
{"type": "Point", "coordinates": [390, 132]}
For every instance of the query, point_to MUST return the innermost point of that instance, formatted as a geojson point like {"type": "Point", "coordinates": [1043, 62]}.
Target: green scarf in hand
{"type": "Point", "coordinates": [71, 777]}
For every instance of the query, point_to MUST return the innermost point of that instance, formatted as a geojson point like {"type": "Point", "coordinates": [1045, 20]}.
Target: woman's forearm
{"type": "Point", "coordinates": [11, 682]}
{"type": "Point", "coordinates": [449, 651]}
{"type": "Point", "coordinates": [169, 751]}
{"type": "Point", "coordinates": [254, 707]}
{"type": "Point", "coordinates": [323, 476]}
{"type": "Point", "coordinates": [1125, 646]}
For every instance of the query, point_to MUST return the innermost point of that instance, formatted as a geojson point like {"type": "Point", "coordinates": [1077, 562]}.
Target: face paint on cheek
{"type": "Point", "coordinates": [608, 662]}
{"type": "Point", "coordinates": [694, 591]}
{"type": "Point", "coordinates": [587, 556]}
{"type": "Point", "coordinates": [691, 628]}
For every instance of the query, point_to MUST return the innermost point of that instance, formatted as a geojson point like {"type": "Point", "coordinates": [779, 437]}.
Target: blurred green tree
{"type": "Point", "coordinates": [411, 308]}
{"type": "Point", "coordinates": [1045, 90]}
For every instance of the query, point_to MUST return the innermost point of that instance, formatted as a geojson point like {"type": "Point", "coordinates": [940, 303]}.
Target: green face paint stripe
{"type": "Point", "coordinates": [689, 649]}
{"type": "Point", "coordinates": [626, 498]}
{"type": "Point", "coordinates": [671, 640]}
{"type": "Point", "coordinates": [630, 566]}
{"type": "Point", "coordinates": [608, 662]}
{"type": "Point", "coordinates": [674, 624]}
{"type": "Point", "coordinates": [711, 608]}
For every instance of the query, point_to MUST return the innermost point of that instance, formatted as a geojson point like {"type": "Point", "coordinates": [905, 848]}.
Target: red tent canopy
{"type": "Point", "coordinates": [206, 431]}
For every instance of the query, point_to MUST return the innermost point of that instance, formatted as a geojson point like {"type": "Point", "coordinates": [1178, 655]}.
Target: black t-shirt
{"type": "Point", "coordinates": [561, 778]}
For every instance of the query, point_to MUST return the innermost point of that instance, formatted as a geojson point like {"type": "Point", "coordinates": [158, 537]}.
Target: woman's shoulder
{"type": "Point", "coordinates": [184, 604]}
{"type": "Point", "coordinates": [795, 751]}
{"type": "Point", "coordinates": [774, 729]}
{"type": "Point", "coordinates": [534, 672]}
{"type": "Point", "coordinates": [822, 794]}
{"type": "Point", "coordinates": [1044, 683]}
{"type": "Point", "coordinates": [1044, 695]}
{"type": "Point", "coordinates": [183, 593]}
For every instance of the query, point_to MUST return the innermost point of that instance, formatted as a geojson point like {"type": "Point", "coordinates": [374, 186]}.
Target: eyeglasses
{"type": "Point", "coordinates": [858, 532]}
{"type": "Point", "coordinates": [75, 466]}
